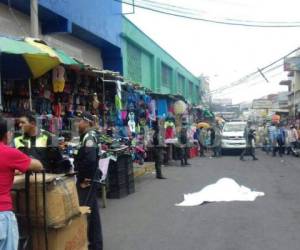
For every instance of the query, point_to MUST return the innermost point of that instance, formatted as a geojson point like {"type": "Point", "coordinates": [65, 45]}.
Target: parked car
{"type": "Point", "coordinates": [233, 135]}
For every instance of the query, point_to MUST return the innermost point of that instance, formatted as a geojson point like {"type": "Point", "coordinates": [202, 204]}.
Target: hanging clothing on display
{"type": "Point", "coordinates": [118, 97]}
{"type": "Point", "coordinates": [170, 128]}
{"type": "Point", "coordinates": [152, 110]}
{"type": "Point", "coordinates": [162, 108]}
{"type": "Point", "coordinates": [131, 122]}
{"type": "Point", "coordinates": [58, 79]}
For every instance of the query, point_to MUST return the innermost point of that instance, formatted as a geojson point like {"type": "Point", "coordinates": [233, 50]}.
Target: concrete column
{"type": "Point", "coordinates": [34, 18]}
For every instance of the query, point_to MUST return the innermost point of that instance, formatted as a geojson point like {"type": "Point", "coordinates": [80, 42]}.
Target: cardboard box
{"type": "Point", "coordinates": [71, 237]}
{"type": "Point", "coordinates": [62, 202]}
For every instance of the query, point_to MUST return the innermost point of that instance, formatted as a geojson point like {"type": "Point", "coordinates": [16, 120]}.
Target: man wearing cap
{"type": "Point", "coordinates": [86, 164]}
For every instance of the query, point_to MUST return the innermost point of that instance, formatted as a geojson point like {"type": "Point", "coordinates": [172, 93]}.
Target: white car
{"type": "Point", "coordinates": [233, 135]}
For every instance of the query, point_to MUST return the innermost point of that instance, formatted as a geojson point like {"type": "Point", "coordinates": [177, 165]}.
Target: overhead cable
{"type": "Point", "coordinates": [192, 11]}
{"type": "Point", "coordinates": [245, 23]}
{"type": "Point", "coordinates": [245, 78]}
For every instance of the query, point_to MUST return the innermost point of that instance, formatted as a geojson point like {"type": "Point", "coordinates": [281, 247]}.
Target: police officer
{"type": "Point", "coordinates": [249, 135]}
{"type": "Point", "coordinates": [86, 164]}
{"type": "Point", "coordinates": [158, 150]}
{"type": "Point", "coordinates": [31, 135]}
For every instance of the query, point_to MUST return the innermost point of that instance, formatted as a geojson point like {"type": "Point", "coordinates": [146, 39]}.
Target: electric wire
{"type": "Point", "coordinates": [249, 85]}
{"type": "Point", "coordinates": [245, 23]}
{"type": "Point", "coordinates": [248, 76]}
{"type": "Point", "coordinates": [180, 8]}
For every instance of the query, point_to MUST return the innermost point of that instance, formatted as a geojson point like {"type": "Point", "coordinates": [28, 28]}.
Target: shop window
{"type": "Point", "coordinates": [180, 87]}
{"type": "Point", "coordinates": [134, 63]}
{"type": "Point", "coordinates": [166, 75]}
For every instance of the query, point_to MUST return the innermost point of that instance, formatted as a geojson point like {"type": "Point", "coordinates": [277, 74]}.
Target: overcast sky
{"type": "Point", "coordinates": [222, 52]}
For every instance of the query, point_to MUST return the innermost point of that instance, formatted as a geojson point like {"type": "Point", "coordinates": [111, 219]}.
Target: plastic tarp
{"type": "Point", "coordinates": [225, 189]}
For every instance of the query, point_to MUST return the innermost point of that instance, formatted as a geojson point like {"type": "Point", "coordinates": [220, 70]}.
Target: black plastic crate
{"type": "Point", "coordinates": [118, 181]}
{"type": "Point", "coordinates": [131, 189]}
{"type": "Point", "coordinates": [118, 178]}
{"type": "Point", "coordinates": [130, 178]}
{"type": "Point", "coordinates": [117, 194]}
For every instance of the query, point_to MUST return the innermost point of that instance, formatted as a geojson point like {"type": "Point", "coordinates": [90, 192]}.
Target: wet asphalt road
{"type": "Point", "coordinates": [148, 219]}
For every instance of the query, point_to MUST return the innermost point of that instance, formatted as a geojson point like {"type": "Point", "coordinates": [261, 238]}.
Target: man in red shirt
{"type": "Point", "coordinates": [11, 160]}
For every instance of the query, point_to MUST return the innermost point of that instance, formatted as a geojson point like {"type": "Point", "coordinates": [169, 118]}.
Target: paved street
{"type": "Point", "coordinates": [148, 219]}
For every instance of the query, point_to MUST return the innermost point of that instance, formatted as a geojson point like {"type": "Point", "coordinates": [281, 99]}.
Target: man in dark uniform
{"type": "Point", "coordinates": [86, 163]}
{"type": "Point", "coordinates": [158, 150]}
{"type": "Point", "coordinates": [249, 135]}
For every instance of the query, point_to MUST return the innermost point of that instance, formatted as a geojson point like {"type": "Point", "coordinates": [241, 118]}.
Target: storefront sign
{"type": "Point", "coordinates": [262, 104]}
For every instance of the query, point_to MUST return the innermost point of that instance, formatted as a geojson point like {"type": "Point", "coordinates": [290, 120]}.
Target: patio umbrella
{"type": "Point", "coordinates": [21, 60]}
{"type": "Point", "coordinates": [28, 58]}
{"type": "Point", "coordinates": [203, 125]}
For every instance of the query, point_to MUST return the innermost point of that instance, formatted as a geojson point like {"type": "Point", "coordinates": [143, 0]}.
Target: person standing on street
{"type": "Point", "coordinates": [183, 141]}
{"type": "Point", "coordinates": [86, 164]}
{"type": "Point", "coordinates": [217, 141]}
{"type": "Point", "coordinates": [292, 138]}
{"type": "Point", "coordinates": [249, 135]}
{"type": "Point", "coordinates": [202, 140]}
{"type": "Point", "coordinates": [11, 160]}
{"type": "Point", "coordinates": [158, 150]}
{"type": "Point", "coordinates": [279, 139]}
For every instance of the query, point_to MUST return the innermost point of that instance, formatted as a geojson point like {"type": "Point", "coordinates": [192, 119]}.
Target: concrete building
{"type": "Point", "coordinates": [146, 63]}
{"type": "Point", "coordinates": [292, 66]}
{"type": "Point", "coordinates": [92, 36]}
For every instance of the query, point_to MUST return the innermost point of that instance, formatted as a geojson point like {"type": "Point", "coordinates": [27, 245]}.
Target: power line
{"type": "Point", "coordinates": [245, 23]}
{"type": "Point", "coordinates": [249, 85]}
{"type": "Point", "coordinates": [245, 78]}
{"type": "Point", "coordinates": [180, 8]}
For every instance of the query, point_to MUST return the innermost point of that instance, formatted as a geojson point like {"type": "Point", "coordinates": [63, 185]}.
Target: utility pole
{"type": "Point", "coordinates": [34, 18]}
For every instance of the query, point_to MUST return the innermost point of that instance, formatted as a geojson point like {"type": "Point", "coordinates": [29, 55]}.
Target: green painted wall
{"type": "Point", "coordinates": [142, 63]}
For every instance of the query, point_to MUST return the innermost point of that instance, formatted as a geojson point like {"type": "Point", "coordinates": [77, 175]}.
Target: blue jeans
{"type": "Point", "coordinates": [9, 233]}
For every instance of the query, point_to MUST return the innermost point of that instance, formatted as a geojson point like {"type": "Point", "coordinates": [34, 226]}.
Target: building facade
{"type": "Point", "coordinates": [91, 36]}
{"type": "Point", "coordinates": [146, 63]}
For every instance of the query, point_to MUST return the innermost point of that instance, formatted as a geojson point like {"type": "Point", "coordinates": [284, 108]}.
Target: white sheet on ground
{"type": "Point", "coordinates": [225, 189]}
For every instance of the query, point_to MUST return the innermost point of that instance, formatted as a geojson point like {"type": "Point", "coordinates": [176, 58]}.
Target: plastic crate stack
{"type": "Point", "coordinates": [120, 177]}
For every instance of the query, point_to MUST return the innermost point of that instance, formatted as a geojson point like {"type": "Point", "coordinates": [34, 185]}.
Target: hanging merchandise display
{"type": "Point", "coordinates": [180, 107]}
{"type": "Point", "coordinates": [162, 108]}
{"type": "Point", "coordinates": [131, 122]}
{"type": "Point", "coordinates": [58, 79]}
{"type": "Point", "coordinates": [169, 128]}
{"type": "Point", "coordinates": [152, 110]}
